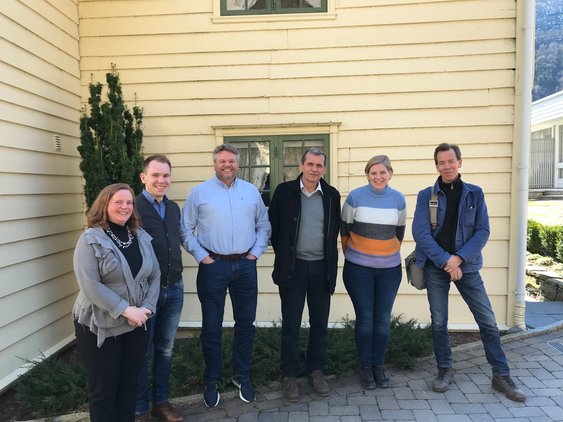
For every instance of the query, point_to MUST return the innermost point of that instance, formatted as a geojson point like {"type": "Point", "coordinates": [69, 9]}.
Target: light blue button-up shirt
{"type": "Point", "coordinates": [225, 220]}
{"type": "Point", "coordinates": [160, 207]}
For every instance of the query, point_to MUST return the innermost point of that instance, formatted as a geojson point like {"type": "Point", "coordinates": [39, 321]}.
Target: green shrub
{"type": "Point", "coordinates": [53, 386]}
{"type": "Point", "coordinates": [534, 241]}
{"type": "Point", "coordinates": [545, 240]}
{"type": "Point", "coordinates": [408, 342]}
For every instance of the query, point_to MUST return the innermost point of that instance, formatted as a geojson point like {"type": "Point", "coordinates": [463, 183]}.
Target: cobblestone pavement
{"type": "Point", "coordinates": [537, 368]}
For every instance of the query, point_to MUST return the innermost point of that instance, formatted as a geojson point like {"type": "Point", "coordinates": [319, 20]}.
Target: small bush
{"type": "Point", "coordinates": [534, 241]}
{"type": "Point", "coordinates": [545, 240]}
{"type": "Point", "coordinates": [53, 387]}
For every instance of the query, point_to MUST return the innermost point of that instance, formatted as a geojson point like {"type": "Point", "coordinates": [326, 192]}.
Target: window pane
{"type": "Point", "coordinates": [292, 151]}
{"type": "Point", "coordinates": [294, 4]}
{"type": "Point", "coordinates": [290, 173]}
{"type": "Point", "coordinates": [246, 4]}
{"type": "Point", "coordinates": [259, 153]}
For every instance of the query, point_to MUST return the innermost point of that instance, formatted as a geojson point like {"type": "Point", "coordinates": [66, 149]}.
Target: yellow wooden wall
{"type": "Point", "coordinates": [394, 76]}
{"type": "Point", "coordinates": [40, 189]}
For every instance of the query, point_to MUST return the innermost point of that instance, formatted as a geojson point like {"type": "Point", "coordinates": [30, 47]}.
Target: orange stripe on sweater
{"type": "Point", "coordinates": [373, 246]}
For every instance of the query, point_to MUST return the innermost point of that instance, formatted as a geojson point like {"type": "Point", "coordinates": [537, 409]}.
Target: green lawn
{"type": "Point", "coordinates": [546, 212]}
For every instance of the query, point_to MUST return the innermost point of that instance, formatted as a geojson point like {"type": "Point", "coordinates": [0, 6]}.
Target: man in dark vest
{"type": "Point", "coordinates": [160, 217]}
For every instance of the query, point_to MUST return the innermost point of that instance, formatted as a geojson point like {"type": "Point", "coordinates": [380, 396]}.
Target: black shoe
{"type": "Point", "coordinates": [381, 379]}
{"type": "Point", "coordinates": [245, 389]}
{"type": "Point", "coordinates": [211, 395]}
{"type": "Point", "coordinates": [366, 378]}
{"type": "Point", "coordinates": [442, 381]}
{"type": "Point", "coordinates": [505, 385]}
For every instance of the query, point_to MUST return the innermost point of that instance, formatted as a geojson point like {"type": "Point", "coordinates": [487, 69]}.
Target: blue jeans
{"type": "Point", "coordinates": [373, 292]}
{"type": "Point", "coordinates": [213, 280]}
{"type": "Point", "coordinates": [162, 329]}
{"type": "Point", "coordinates": [310, 281]}
{"type": "Point", "coordinates": [473, 293]}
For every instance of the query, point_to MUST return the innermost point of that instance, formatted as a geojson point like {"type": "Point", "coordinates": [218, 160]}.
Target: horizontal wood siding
{"type": "Point", "coordinates": [40, 194]}
{"type": "Point", "coordinates": [399, 76]}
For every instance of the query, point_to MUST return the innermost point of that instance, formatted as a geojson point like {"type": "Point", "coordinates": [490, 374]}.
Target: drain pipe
{"type": "Point", "coordinates": [524, 84]}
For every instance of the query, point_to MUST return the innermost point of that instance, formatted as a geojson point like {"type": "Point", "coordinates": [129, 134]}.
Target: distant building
{"type": "Point", "coordinates": [546, 161]}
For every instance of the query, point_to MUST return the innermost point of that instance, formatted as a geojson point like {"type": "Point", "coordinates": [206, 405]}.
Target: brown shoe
{"type": "Point", "coordinates": [142, 417]}
{"type": "Point", "coordinates": [505, 385]}
{"type": "Point", "coordinates": [165, 412]}
{"type": "Point", "coordinates": [290, 389]}
{"type": "Point", "coordinates": [442, 381]}
{"type": "Point", "coordinates": [319, 383]}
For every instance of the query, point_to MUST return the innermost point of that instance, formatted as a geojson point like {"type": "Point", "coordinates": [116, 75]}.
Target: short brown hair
{"type": "Point", "coordinates": [97, 215]}
{"type": "Point", "coordinates": [159, 158]}
{"type": "Point", "coordinates": [379, 159]}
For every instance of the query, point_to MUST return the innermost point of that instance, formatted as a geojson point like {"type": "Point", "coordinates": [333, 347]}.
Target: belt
{"type": "Point", "coordinates": [231, 257]}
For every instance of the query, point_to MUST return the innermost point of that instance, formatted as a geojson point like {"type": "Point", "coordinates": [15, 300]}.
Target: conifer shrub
{"type": "Point", "coordinates": [110, 140]}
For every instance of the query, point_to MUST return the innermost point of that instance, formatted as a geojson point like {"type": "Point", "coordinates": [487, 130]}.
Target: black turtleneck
{"type": "Point", "coordinates": [452, 191]}
{"type": "Point", "coordinates": [133, 253]}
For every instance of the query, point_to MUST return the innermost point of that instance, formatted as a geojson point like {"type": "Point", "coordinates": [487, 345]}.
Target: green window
{"type": "Point", "coordinates": [269, 7]}
{"type": "Point", "coordinates": [267, 161]}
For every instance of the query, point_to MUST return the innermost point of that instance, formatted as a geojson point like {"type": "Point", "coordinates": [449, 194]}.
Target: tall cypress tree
{"type": "Point", "coordinates": [111, 139]}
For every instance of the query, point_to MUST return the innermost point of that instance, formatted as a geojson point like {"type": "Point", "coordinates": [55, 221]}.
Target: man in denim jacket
{"type": "Point", "coordinates": [451, 252]}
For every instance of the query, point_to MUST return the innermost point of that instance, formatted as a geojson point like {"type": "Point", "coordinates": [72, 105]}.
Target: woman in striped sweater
{"type": "Point", "coordinates": [373, 227]}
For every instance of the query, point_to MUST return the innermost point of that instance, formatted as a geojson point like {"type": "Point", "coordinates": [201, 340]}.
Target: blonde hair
{"type": "Point", "coordinates": [379, 159]}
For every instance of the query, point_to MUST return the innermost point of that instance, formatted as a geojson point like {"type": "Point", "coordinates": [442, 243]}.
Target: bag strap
{"type": "Point", "coordinates": [433, 205]}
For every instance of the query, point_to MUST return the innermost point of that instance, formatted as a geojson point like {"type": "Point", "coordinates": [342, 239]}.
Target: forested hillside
{"type": "Point", "coordinates": [548, 77]}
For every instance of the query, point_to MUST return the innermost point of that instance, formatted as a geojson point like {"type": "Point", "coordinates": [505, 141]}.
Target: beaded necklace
{"type": "Point", "coordinates": [120, 243]}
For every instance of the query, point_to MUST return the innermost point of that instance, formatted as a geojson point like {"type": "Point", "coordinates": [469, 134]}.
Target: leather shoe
{"type": "Point", "coordinates": [142, 417]}
{"type": "Point", "coordinates": [442, 382]}
{"type": "Point", "coordinates": [290, 389]}
{"type": "Point", "coordinates": [165, 412]}
{"type": "Point", "coordinates": [505, 385]}
{"type": "Point", "coordinates": [319, 383]}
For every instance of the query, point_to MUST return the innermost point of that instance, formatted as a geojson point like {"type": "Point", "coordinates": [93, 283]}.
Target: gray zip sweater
{"type": "Point", "coordinates": [107, 286]}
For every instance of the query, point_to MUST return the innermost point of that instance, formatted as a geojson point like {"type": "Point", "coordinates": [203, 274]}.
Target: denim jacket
{"type": "Point", "coordinates": [472, 228]}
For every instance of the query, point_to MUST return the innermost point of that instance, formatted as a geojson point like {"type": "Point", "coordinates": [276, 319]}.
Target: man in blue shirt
{"type": "Point", "coordinates": [227, 229]}
{"type": "Point", "coordinates": [450, 253]}
{"type": "Point", "coordinates": [160, 217]}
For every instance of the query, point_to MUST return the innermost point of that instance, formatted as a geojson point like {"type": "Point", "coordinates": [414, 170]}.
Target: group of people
{"type": "Point", "coordinates": [129, 269]}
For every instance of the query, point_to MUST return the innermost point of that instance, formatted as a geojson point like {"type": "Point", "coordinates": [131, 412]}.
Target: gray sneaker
{"type": "Point", "coordinates": [505, 385]}
{"type": "Point", "coordinates": [290, 389]}
{"type": "Point", "coordinates": [442, 381]}
{"type": "Point", "coordinates": [380, 377]}
{"type": "Point", "coordinates": [366, 378]}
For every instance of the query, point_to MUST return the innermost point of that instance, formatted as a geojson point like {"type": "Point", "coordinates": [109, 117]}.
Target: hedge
{"type": "Point", "coordinates": [545, 240]}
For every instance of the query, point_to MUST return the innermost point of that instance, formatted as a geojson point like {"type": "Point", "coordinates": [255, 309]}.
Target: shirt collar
{"type": "Point", "coordinates": [305, 191]}
{"type": "Point", "coordinates": [151, 198]}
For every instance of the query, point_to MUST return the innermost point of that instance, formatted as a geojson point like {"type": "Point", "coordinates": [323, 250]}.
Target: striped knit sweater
{"type": "Point", "coordinates": [373, 226]}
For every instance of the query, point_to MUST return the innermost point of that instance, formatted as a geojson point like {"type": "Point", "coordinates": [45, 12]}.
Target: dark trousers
{"type": "Point", "coordinates": [113, 370]}
{"type": "Point", "coordinates": [309, 282]}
